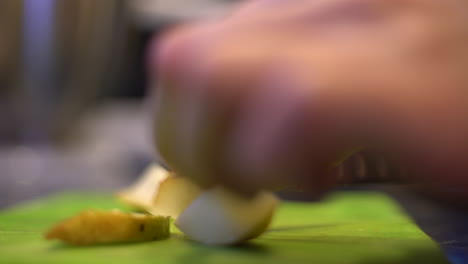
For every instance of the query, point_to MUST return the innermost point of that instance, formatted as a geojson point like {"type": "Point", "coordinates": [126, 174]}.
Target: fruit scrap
{"type": "Point", "coordinates": [105, 227]}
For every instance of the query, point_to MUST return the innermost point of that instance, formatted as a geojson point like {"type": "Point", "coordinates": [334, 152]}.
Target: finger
{"type": "Point", "coordinates": [218, 91]}
{"type": "Point", "coordinates": [174, 59]}
{"type": "Point", "coordinates": [165, 125]}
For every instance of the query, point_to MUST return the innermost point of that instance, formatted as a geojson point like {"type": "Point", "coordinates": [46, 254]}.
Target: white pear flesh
{"type": "Point", "coordinates": [141, 194]}
{"type": "Point", "coordinates": [220, 217]}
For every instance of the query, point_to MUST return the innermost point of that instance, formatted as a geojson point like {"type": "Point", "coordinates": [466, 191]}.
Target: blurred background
{"type": "Point", "coordinates": [73, 111]}
{"type": "Point", "coordinates": [73, 100]}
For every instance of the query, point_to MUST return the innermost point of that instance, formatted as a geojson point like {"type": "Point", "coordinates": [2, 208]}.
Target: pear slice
{"type": "Point", "coordinates": [141, 194]}
{"type": "Point", "coordinates": [160, 192]}
{"type": "Point", "coordinates": [174, 195]}
{"type": "Point", "coordinates": [220, 217]}
{"type": "Point", "coordinates": [103, 227]}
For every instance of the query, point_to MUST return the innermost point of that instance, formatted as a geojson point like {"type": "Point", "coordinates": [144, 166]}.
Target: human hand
{"type": "Point", "coordinates": [275, 93]}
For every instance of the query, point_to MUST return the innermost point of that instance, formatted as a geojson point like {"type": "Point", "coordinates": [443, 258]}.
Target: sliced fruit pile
{"type": "Point", "coordinates": [214, 216]}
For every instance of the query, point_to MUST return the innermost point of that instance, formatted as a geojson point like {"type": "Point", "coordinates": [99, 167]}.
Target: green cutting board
{"type": "Point", "coordinates": [362, 228]}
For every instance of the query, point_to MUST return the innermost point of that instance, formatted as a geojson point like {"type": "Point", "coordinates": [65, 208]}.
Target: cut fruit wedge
{"type": "Point", "coordinates": [220, 217]}
{"type": "Point", "coordinates": [160, 192]}
{"type": "Point", "coordinates": [174, 195]}
{"type": "Point", "coordinates": [141, 194]}
{"type": "Point", "coordinates": [103, 227]}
